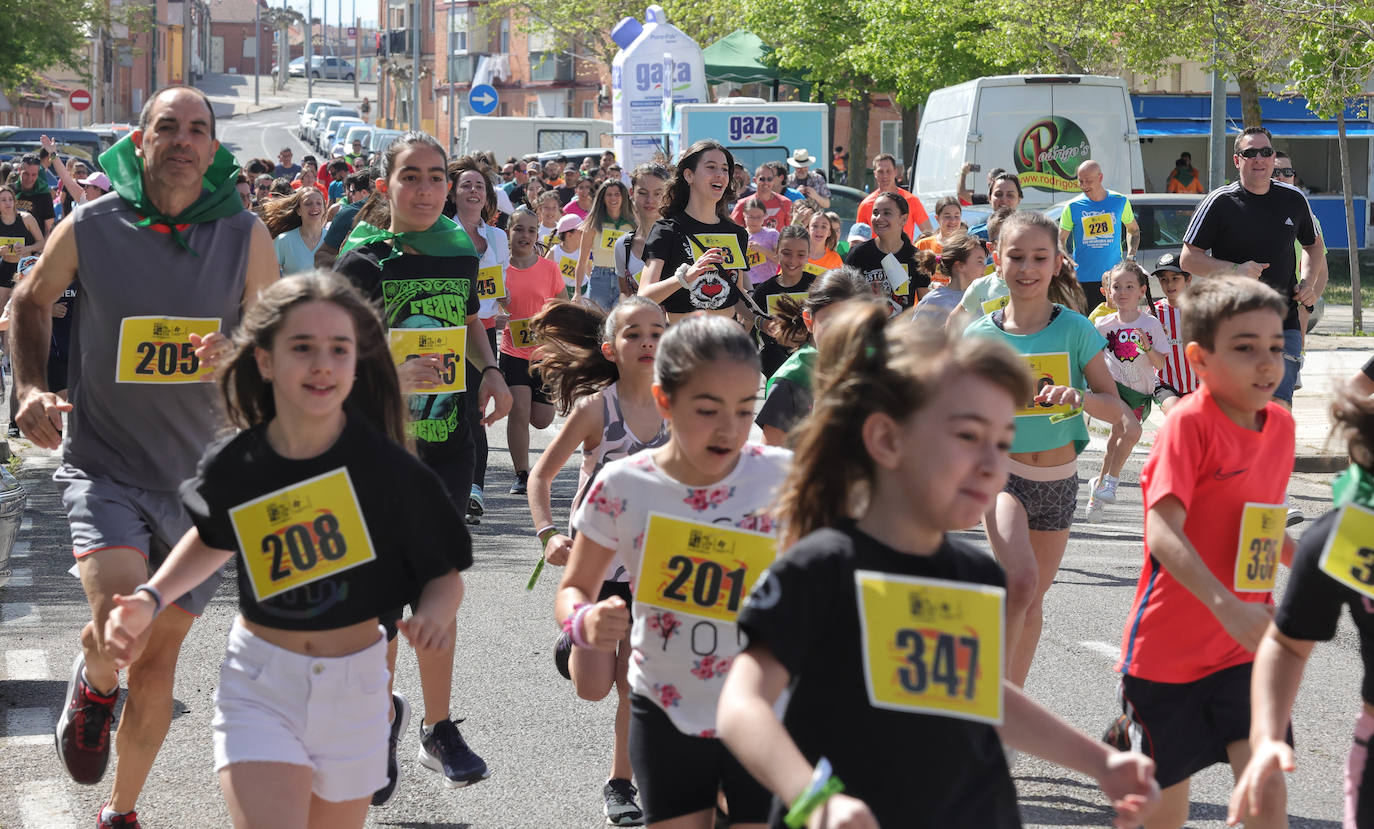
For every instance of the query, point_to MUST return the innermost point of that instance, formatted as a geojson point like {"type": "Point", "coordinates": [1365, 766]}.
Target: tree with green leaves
{"type": "Point", "coordinates": [35, 37]}
{"type": "Point", "coordinates": [583, 27]}
{"type": "Point", "coordinates": [1332, 43]}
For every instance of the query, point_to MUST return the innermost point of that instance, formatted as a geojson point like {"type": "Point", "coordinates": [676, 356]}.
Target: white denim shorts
{"type": "Point", "coordinates": [276, 706]}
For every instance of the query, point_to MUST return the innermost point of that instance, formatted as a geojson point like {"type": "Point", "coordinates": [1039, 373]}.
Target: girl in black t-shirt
{"type": "Point", "coordinates": [889, 237]}
{"type": "Point", "coordinates": [695, 257]}
{"type": "Point", "coordinates": [791, 278]}
{"type": "Point", "coordinates": [888, 632]}
{"type": "Point", "coordinates": [1330, 571]}
{"type": "Point", "coordinates": [335, 524]}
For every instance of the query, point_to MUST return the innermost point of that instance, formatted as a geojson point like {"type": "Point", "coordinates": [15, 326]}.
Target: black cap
{"type": "Point", "coordinates": [1169, 263]}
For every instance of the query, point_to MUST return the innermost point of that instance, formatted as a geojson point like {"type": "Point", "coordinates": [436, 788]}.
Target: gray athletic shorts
{"type": "Point", "coordinates": [104, 514]}
{"type": "Point", "coordinates": [1049, 504]}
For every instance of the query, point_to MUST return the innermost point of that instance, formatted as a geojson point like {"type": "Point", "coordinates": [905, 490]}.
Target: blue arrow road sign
{"type": "Point", "coordinates": [483, 99]}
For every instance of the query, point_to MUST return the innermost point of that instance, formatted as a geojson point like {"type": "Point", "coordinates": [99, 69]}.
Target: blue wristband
{"type": "Point", "coordinates": [151, 591]}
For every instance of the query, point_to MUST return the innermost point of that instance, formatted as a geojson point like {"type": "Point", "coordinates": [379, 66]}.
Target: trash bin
{"type": "Point", "coordinates": [13, 498]}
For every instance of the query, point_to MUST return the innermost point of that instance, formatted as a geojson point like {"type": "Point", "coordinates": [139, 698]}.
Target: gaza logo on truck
{"type": "Point", "coordinates": [1048, 152]}
{"type": "Point", "coordinates": [753, 129]}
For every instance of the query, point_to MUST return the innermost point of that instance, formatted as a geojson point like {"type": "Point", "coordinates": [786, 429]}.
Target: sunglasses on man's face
{"type": "Point", "coordinates": [1286, 172]}
{"type": "Point", "coordinates": [1262, 152]}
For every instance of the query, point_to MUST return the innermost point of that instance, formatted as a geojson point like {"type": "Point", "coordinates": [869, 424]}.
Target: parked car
{"type": "Point", "coordinates": [333, 129]}
{"type": "Point", "coordinates": [362, 132]}
{"type": "Point", "coordinates": [322, 116]}
{"type": "Point", "coordinates": [307, 112]}
{"type": "Point", "coordinates": [331, 67]}
{"type": "Point", "coordinates": [380, 140]}
{"type": "Point", "coordinates": [85, 144]}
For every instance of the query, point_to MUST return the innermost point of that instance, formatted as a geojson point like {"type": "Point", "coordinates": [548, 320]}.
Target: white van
{"type": "Point", "coordinates": [1040, 127]}
{"type": "Point", "coordinates": [509, 136]}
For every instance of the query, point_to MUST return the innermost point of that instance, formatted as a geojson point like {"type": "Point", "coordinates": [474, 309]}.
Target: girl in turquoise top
{"type": "Point", "coordinates": [1028, 524]}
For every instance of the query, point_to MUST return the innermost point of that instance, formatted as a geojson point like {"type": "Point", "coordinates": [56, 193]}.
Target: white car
{"type": "Point", "coordinates": [322, 116]}
{"type": "Point", "coordinates": [307, 112]}
{"type": "Point", "coordinates": [334, 132]}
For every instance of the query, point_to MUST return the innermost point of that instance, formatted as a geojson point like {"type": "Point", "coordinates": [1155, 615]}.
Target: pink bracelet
{"type": "Point", "coordinates": [578, 632]}
{"type": "Point", "coordinates": [566, 626]}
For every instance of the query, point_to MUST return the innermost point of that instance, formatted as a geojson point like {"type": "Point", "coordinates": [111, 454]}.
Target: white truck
{"type": "Point", "coordinates": [1040, 127]}
{"type": "Point", "coordinates": [511, 136]}
{"type": "Point", "coordinates": [755, 130]}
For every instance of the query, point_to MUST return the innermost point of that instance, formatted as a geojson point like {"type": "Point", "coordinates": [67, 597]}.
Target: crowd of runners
{"type": "Point", "coordinates": [304, 381]}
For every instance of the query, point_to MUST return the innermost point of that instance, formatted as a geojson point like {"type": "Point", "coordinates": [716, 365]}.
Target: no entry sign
{"type": "Point", "coordinates": [80, 100]}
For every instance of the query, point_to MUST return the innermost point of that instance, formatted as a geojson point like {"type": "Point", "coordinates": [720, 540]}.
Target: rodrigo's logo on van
{"type": "Point", "coordinates": [753, 129]}
{"type": "Point", "coordinates": [1048, 152]}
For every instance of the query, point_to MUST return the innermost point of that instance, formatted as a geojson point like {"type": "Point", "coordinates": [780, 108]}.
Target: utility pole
{"type": "Point", "coordinates": [324, 33]}
{"type": "Point", "coordinates": [384, 93]}
{"type": "Point", "coordinates": [415, 70]}
{"type": "Point", "coordinates": [448, 62]}
{"type": "Point", "coordinates": [357, 48]}
{"type": "Point", "coordinates": [257, 49]}
{"type": "Point", "coordinates": [309, 51]}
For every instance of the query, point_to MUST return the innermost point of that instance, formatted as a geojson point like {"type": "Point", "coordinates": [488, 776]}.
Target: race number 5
{"type": "Point", "coordinates": [448, 345]}
{"type": "Point", "coordinates": [159, 349]}
{"type": "Point", "coordinates": [932, 646]}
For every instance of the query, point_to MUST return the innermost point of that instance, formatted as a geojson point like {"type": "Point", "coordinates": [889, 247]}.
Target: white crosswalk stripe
{"type": "Point", "coordinates": [26, 665]}
{"type": "Point", "coordinates": [44, 804]}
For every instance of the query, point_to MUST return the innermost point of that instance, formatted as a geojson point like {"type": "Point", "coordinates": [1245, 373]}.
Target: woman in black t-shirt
{"type": "Point", "coordinates": [889, 237]}
{"type": "Point", "coordinates": [302, 494]}
{"type": "Point", "coordinates": [887, 631]}
{"type": "Point", "coordinates": [694, 258]}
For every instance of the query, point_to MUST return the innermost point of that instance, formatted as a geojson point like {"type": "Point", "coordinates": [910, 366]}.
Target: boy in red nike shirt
{"type": "Point", "coordinates": [1214, 534]}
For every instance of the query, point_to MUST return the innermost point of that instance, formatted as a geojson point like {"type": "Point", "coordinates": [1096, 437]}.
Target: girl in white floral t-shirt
{"type": "Point", "coordinates": [691, 522]}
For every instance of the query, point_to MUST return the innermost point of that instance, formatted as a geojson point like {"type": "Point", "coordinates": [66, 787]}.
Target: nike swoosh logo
{"type": "Point", "coordinates": [1226, 476]}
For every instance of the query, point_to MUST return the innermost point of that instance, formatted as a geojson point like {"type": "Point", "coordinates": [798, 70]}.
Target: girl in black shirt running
{"type": "Point", "coordinates": [889, 238]}
{"type": "Point", "coordinates": [694, 259]}
{"type": "Point", "coordinates": [335, 524]}
{"type": "Point", "coordinates": [886, 630]}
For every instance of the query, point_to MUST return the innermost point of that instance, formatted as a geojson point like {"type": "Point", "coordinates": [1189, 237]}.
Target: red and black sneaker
{"type": "Point", "coordinates": [124, 821]}
{"type": "Point", "coordinates": [83, 730]}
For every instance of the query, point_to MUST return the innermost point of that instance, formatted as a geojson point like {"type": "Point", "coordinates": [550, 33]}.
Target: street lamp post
{"type": "Point", "coordinates": [257, 50]}
{"type": "Point", "coordinates": [309, 51]}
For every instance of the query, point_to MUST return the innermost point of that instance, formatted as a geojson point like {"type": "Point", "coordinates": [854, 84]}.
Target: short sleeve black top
{"type": "Point", "coordinates": [670, 240]}
{"type": "Point", "coordinates": [770, 287]}
{"type": "Point", "coordinates": [415, 291]}
{"type": "Point", "coordinates": [913, 770]}
{"type": "Point", "coordinates": [415, 532]}
{"type": "Point", "coordinates": [1312, 604]}
{"type": "Point", "coordinates": [37, 202]}
{"type": "Point", "coordinates": [868, 260]}
{"type": "Point", "coordinates": [1239, 226]}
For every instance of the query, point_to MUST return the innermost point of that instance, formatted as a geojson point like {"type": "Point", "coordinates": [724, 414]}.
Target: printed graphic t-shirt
{"type": "Point", "coordinates": [1097, 229]}
{"type": "Point", "coordinates": [805, 610]}
{"type": "Point", "coordinates": [1129, 364]}
{"type": "Point", "coordinates": [415, 291]}
{"type": "Point", "coordinates": [683, 650]}
{"type": "Point", "coordinates": [675, 240]}
{"type": "Point", "coordinates": [1223, 475]}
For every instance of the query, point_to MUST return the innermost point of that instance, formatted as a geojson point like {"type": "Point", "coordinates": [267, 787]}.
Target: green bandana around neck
{"type": "Point", "coordinates": [796, 369]}
{"type": "Point", "coordinates": [1353, 486]}
{"type": "Point", "coordinates": [220, 199]}
{"type": "Point", "coordinates": [444, 238]}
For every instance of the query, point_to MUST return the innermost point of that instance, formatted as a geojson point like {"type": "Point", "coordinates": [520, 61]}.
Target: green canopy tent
{"type": "Point", "coordinates": [739, 57]}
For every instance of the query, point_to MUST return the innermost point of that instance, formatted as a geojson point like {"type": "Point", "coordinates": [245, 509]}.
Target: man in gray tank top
{"type": "Point", "coordinates": [166, 265]}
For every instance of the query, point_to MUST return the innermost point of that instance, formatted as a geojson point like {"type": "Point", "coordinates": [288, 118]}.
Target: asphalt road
{"type": "Point", "coordinates": [549, 752]}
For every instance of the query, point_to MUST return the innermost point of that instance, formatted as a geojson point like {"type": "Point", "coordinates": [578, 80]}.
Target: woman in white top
{"type": "Point", "coordinates": [475, 203]}
{"type": "Point", "coordinates": [297, 226]}
{"type": "Point", "coordinates": [647, 186]}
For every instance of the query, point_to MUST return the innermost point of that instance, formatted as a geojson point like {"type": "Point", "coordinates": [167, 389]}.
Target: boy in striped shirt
{"type": "Point", "coordinates": [1177, 378]}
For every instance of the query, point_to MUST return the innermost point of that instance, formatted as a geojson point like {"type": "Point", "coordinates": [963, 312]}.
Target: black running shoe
{"type": "Point", "coordinates": [1118, 734]}
{"type": "Point", "coordinates": [562, 652]}
{"type": "Point", "coordinates": [622, 806]}
{"type": "Point", "coordinates": [444, 750]}
{"type": "Point", "coordinates": [521, 482]}
{"type": "Point", "coordinates": [83, 731]}
{"type": "Point", "coordinates": [400, 719]}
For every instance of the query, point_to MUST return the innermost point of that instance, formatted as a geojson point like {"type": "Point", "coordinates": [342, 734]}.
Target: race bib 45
{"type": "Point", "coordinates": [302, 533]}
{"type": "Point", "coordinates": [159, 349]}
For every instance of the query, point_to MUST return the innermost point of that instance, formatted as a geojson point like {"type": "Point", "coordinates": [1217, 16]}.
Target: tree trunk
{"type": "Point", "coordinates": [858, 137]}
{"type": "Point", "coordinates": [1350, 241]}
{"type": "Point", "coordinates": [910, 122]}
{"type": "Point", "coordinates": [1249, 100]}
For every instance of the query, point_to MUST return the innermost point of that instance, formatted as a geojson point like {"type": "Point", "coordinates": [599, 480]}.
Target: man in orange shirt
{"type": "Point", "coordinates": [885, 181]}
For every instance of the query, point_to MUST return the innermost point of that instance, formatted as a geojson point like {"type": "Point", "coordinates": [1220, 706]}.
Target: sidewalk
{"type": "Point", "coordinates": [1333, 355]}
{"type": "Point", "coordinates": [232, 95]}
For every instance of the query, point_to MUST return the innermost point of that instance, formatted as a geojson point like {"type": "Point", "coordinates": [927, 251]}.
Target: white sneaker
{"type": "Point", "coordinates": [1095, 508]}
{"type": "Point", "coordinates": [1104, 489]}
{"type": "Point", "coordinates": [1295, 516]}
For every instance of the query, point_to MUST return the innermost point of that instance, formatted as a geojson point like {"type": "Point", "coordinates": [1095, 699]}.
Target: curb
{"type": "Point", "coordinates": [1320, 463]}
